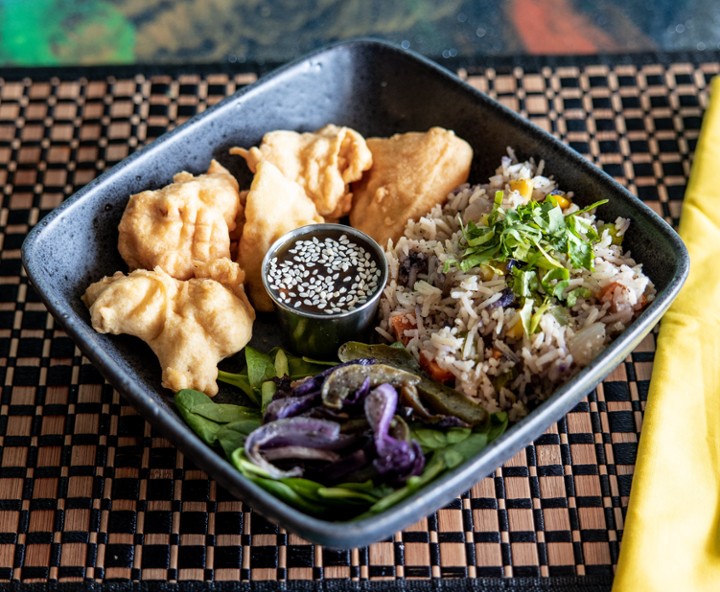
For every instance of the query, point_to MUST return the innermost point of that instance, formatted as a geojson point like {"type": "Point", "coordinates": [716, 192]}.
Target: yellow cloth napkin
{"type": "Point", "coordinates": [671, 539]}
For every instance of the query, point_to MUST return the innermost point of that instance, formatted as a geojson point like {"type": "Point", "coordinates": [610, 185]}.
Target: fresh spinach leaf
{"type": "Point", "coordinates": [260, 367]}
{"type": "Point", "coordinates": [432, 470]}
{"type": "Point", "coordinates": [267, 391]}
{"type": "Point", "coordinates": [224, 413]}
{"type": "Point", "coordinates": [232, 436]}
{"type": "Point", "coordinates": [431, 439]}
{"type": "Point", "coordinates": [281, 364]}
{"type": "Point", "coordinates": [241, 381]}
{"type": "Point", "coordinates": [207, 418]}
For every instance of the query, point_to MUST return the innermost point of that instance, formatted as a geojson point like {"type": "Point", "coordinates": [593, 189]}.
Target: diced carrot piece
{"type": "Point", "coordinates": [496, 353]}
{"type": "Point", "coordinates": [434, 369]}
{"type": "Point", "coordinates": [609, 294]}
{"type": "Point", "coordinates": [402, 323]}
{"type": "Point", "coordinates": [640, 303]}
{"type": "Point", "coordinates": [608, 290]}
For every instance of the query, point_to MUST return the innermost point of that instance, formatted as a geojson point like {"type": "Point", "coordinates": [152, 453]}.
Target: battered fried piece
{"type": "Point", "coordinates": [411, 173]}
{"type": "Point", "coordinates": [274, 206]}
{"type": "Point", "coordinates": [190, 325]}
{"type": "Point", "coordinates": [239, 225]}
{"type": "Point", "coordinates": [323, 163]}
{"type": "Point", "coordinates": [186, 221]}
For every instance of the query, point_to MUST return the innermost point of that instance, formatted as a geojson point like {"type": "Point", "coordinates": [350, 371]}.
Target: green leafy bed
{"type": "Point", "coordinates": [227, 426]}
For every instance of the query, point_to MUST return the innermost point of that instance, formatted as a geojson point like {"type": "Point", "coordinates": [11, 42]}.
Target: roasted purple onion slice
{"type": "Point", "coordinates": [304, 432]}
{"type": "Point", "coordinates": [397, 457]}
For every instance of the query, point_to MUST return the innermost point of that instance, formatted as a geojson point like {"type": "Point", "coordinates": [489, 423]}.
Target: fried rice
{"type": "Point", "coordinates": [462, 323]}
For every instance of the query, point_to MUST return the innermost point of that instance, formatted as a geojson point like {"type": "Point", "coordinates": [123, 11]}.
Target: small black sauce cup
{"type": "Point", "coordinates": [315, 335]}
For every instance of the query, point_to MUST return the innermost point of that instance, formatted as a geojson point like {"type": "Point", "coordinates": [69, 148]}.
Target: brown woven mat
{"type": "Point", "coordinates": [89, 492]}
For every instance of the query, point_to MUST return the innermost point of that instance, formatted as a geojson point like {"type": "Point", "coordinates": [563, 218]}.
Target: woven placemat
{"type": "Point", "coordinates": [89, 492]}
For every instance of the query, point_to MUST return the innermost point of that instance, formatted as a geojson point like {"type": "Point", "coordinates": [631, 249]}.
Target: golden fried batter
{"type": "Point", "coordinates": [323, 163]}
{"type": "Point", "coordinates": [411, 173]}
{"type": "Point", "coordinates": [275, 205]}
{"type": "Point", "coordinates": [186, 221]}
{"type": "Point", "coordinates": [190, 325]}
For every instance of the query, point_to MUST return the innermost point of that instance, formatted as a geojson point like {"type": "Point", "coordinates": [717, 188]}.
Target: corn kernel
{"type": "Point", "coordinates": [524, 187]}
{"type": "Point", "coordinates": [486, 273]}
{"type": "Point", "coordinates": [561, 200]}
{"type": "Point", "coordinates": [516, 331]}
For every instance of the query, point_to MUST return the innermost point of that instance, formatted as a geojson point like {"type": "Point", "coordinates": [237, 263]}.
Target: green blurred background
{"type": "Point", "coordinates": [73, 32]}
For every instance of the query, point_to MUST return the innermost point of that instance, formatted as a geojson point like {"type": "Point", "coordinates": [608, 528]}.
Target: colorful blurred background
{"type": "Point", "coordinates": [74, 32]}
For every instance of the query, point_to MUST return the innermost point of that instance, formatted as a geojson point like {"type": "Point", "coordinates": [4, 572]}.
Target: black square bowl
{"type": "Point", "coordinates": [377, 89]}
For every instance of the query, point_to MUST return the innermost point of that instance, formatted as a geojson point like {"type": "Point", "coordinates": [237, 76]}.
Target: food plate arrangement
{"type": "Point", "coordinates": [378, 90]}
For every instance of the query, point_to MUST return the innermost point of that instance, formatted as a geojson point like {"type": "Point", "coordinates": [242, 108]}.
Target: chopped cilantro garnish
{"type": "Point", "coordinates": [531, 236]}
{"type": "Point", "coordinates": [530, 233]}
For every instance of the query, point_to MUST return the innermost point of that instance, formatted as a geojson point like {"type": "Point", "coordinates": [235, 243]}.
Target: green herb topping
{"type": "Point", "coordinates": [524, 242]}
{"type": "Point", "coordinates": [530, 233]}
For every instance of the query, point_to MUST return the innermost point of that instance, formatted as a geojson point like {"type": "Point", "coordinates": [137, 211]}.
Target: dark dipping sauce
{"type": "Point", "coordinates": [326, 272]}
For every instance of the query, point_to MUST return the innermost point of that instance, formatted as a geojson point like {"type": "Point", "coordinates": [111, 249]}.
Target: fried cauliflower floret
{"type": "Point", "coordinates": [189, 220]}
{"type": "Point", "coordinates": [275, 205]}
{"type": "Point", "coordinates": [190, 325]}
{"type": "Point", "coordinates": [411, 174]}
{"type": "Point", "coordinates": [323, 163]}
